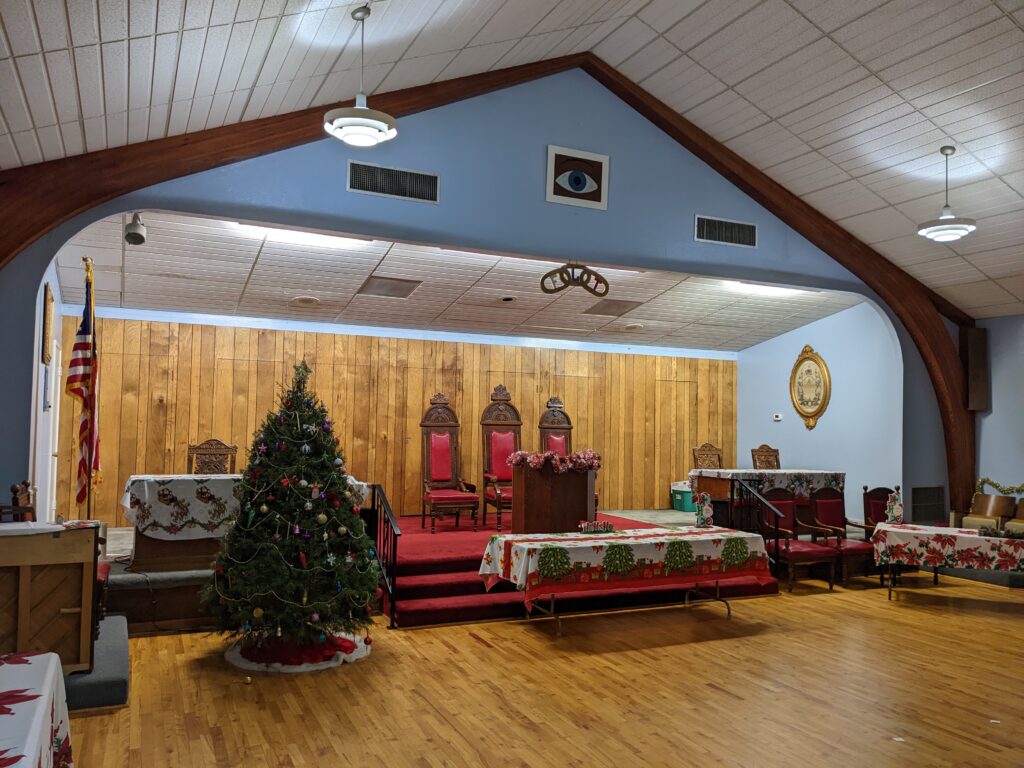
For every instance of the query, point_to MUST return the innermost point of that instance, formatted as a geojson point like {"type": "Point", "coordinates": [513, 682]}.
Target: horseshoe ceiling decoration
{"type": "Point", "coordinates": [574, 275]}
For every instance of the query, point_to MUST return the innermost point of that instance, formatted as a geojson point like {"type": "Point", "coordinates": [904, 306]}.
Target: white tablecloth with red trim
{"type": "Point", "coordinates": [934, 547]}
{"type": "Point", "coordinates": [34, 729]}
{"type": "Point", "coordinates": [542, 564]}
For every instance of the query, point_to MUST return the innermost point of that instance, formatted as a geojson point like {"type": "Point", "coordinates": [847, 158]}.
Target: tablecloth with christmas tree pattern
{"type": "Point", "coordinates": [542, 564]}
{"type": "Point", "coordinates": [933, 547]}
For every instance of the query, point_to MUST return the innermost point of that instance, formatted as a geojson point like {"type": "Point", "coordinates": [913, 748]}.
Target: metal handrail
{"type": "Point", "coordinates": [755, 494]}
{"type": "Point", "coordinates": [386, 534]}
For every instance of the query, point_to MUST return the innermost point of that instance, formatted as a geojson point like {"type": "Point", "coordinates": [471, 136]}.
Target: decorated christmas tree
{"type": "Point", "coordinates": [296, 576]}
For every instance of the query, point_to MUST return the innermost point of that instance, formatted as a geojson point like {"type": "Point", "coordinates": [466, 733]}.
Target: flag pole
{"type": "Point", "coordinates": [92, 388]}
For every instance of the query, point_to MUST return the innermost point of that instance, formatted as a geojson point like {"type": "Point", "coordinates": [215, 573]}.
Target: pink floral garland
{"type": "Point", "coordinates": [580, 461]}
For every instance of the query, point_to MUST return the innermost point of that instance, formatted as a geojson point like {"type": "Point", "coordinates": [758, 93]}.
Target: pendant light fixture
{"type": "Point", "coordinates": [947, 227]}
{"type": "Point", "coordinates": [360, 126]}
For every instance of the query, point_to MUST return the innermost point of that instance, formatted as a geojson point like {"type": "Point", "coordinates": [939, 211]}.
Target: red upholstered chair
{"type": "Point", "coordinates": [556, 432]}
{"type": "Point", "coordinates": [501, 425]}
{"type": "Point", "coordinates": [875, 502]}
{"type": "Point", "coordinates": [443, 487]}
{"type": "Point", "coordinates": [792, 550]}
{"type": "Point", "coordinates": [828, 510]}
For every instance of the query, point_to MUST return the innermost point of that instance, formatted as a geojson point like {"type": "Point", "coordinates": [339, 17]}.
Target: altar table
{"type": "Point", "coordinates": [935, 547]}
{"type": "Point", "coordinates": [802, 482]}
{"type": "Point", "coordinates": [182, 507]}
{"type": "Point", "coordinates": [549, 564]}
{"type": "Point", "coordinates": [179, 507]}
{"type": "Point", "coordinates": [34, 728]}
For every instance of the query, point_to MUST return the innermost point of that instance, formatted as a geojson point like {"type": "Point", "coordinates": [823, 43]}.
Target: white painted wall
{"type": "Point", "coordinates": [861, 433]}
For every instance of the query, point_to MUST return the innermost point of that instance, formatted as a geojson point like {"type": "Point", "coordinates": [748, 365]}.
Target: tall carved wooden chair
{"type": "Point", "coordinates": [212, 457]}
{"type": "Point", "coordinates": [707, 456]}
{"type": "Point", "coordinates": [556, 433]}
{"type": "Point", "coordinates": [555, 428]}
{"type": "Point", "coordinates": [501, 426]}
{"type": "Point", "coordinates": [765, 457]}
{"type": "Point", "coordinates": [828, 510]}
{"type": "Point", "coordinates": [875, 502]}
{"type": "Point", "coordinates": [443, 487]}
{"type": "Point", "coordinates": [21, 509]}
{"type": "Point", "coordinates": [792, 550]}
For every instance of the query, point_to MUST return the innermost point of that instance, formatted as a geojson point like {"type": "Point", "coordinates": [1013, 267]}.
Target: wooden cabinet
{"type": "Point", "coordinates": [46, 594]}
{"type": "Point", "coordinates": [546, 502]}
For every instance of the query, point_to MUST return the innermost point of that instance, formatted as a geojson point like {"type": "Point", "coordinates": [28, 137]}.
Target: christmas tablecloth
{"type": "Point", "coordinates": [800, 481]}
{"type": "Point", "coordinates": [542, 564]}
{"type": "Point", "coordinates": [934, 547]}
{"type": "Point", "coordinates": [34, 731]}
{"type": "Point", "coordinates": [177, 507]}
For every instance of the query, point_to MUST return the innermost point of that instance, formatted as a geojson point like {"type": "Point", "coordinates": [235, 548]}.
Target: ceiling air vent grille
{"type": "Point", "coordinates": [724, 231]}
{"type": "Point", "coordinates": [392, 182]}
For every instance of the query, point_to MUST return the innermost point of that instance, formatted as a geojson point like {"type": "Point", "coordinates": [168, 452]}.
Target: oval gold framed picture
{"type": "Point", "coordinates": [810, 386]}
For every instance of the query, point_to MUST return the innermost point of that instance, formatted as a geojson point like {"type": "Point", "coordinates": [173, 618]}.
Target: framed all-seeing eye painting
{"type": "Point", "coordinates": [577, 178]}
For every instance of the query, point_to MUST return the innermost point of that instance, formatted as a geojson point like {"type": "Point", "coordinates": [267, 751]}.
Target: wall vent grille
{"type": "Point", "coordinates": [393, 182]}
{"type": "Point", "coordinates": [708, 230]}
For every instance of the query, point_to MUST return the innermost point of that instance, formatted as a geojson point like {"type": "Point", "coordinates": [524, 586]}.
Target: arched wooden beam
{"type": "Point", "coordinates": [39, 197]}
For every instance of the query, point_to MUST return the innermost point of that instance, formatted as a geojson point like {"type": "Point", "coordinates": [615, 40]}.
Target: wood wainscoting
{"type": "Point", "coordinates": [165, 385]}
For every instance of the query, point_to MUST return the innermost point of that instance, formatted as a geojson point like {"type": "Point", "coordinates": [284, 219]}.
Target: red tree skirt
{"type": "Point", "coordinates": [275, 651]}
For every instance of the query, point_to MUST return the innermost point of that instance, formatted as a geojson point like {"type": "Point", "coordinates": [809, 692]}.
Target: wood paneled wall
{"type": "Point", "coordinates": [165, 385]}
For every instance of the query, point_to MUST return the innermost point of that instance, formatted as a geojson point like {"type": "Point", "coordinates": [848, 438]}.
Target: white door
{"type": "Point", "coordinates": [54, 395]}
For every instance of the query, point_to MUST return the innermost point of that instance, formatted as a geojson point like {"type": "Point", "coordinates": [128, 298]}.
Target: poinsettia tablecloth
{"type": "Point", "coordinates": [933, 547]}
{"type": "Point", "coordinates": [34, 730]}
{"type": "Point", "coordinates": [552, 563]}
{"type": "Point", "coordinates": [802, 482]}
{"type": "Point", "coordinates": [177, 507]}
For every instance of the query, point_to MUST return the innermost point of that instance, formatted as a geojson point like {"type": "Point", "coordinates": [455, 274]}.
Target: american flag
{"type": "Point", "coordinates": [83, 383]}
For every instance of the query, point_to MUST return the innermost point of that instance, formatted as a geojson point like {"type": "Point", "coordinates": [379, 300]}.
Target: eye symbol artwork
{"type": "Point", "coordinates": [577, 178]}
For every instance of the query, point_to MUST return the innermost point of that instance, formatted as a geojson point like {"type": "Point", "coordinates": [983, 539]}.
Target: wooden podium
{"type": "Point", "coordinates": [546, 502]}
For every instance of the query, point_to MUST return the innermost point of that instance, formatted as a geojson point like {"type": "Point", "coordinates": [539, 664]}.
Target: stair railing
{"type": "Point", "coordinates": [383, 528]}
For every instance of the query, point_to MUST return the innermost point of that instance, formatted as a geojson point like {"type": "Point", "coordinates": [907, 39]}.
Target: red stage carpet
{"type": "Point", "coordinates": [438, 583]}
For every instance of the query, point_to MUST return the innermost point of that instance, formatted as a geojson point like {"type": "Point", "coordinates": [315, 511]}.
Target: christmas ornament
{"type": "Point", "coordinates": [342, 530]}
{"type": "Point", "coordinates": [315, 617]}
{"type": "Point", "coordinates": [305, 449]}
{"type": "Point", "coordinates": [261, 448]}
{"type": "Point", "coordinates": [367, 640]}
{"type": "Point", "coordinates": [295, 530]}
{"type": "Point", "coordinates": [248, 680]}
{"type": "Point", "coordinates": [308, 506]}
{"type": "Point", "coordinates": [303, 483]}
{"type": "Point", "coordinates": [257, 612]}
{"type": "Point", "coordinates": [278, 630]}
{"type": "Point", "coordinates": [339, 463]}
{"type": "Point", "coordinates": [305, 597]}
{"type": "Point", "coordinates": [331, 559]}
{"type": "Point", "coordinates": [282, 447]}
{"type": "Point", "coordinates": [302, 559]}
{"type": "Point", "coordinates": [270, 499]}
{"type": "Point", "coordinates": [277, 537]}
{"type": "Point", "coordinates": [321, 518]}
{"type": "Point", "coordinates": [264, 508]}
{"type": "Point", "coordinates": [218, 569]}
{"type": "Point", "coordinates": [307, 535]}
{"type": "Point", "coordinates": [284, 482]}
{"type": "Point", "coordinates": [323, 637]}
{"type": "Point", "coordinates": [327, 425]}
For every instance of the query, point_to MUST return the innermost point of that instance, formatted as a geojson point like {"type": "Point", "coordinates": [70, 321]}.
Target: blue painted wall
{"type": "Point", "coordinates": [861, 431]}
{"type": "Point", "coordinates": [1001, 430]}
{"type": "Point", "coordinates": [490, 153]}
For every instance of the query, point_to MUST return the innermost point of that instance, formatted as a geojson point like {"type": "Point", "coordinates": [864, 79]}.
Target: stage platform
{"type": "Point", "coordinates": [437, 578]}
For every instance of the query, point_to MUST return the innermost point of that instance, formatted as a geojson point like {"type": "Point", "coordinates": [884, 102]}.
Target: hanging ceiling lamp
{"type": "Point", "coordinates": [360, 126]}
{"type": "Point", "coordinates": [947, 227]}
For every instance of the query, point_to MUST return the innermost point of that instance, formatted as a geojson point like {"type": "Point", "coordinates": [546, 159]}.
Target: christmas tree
{"type": "Point", "coordinates": [297, 570]}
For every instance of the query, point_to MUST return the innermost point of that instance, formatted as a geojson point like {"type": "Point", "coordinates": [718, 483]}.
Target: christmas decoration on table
{"type": "Point", "coordinates": [894, 509]}
{"type": "Point", "coordinates": [596, 526]}
{"type": "Point", "coordinates": [705, 511]}
{"type": "Point", "coordinates": [296, 576]}
{"type": "Point", "coordinates": [580, 461]}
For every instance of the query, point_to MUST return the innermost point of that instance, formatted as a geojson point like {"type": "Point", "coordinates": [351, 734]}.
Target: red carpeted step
{"type": "Point", "coordinates": [446, 585]}
{"type": "Point", "coordinates": [460, 609]}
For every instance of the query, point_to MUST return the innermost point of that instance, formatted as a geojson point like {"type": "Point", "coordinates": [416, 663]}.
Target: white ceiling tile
{"type": "Point", "coordinates": [649, 59]}
{"type": "Point", "coordinates": [197, 13]}
{"type": "Point", "coordinates": [876, 226]}
{"type": "Point", "coordinates": [476, 59]}
{"type": "Point", "coordinates": [512, 21]}
{"type": "Point", "coordinates": [115, 76]}
{"type": "Point", "coordinates": [71, 136]}
{"type": "Point", "coordinates": [36, 86]}
{"type": "Point", "coordinates": [661, 15]}
{"type": "Point", "coordinates": [50, 142]}
{"type": "Point", "coordinates": [140, 72]}
{"type": "Point", "coordinates": [706, 20]}
{"type": "Point", "coordinates": [452, 27]}
{"type": "Point", "coordinates": [8, 152]}
{"type": "Point", "coordinates": [726, 116]}
{"type": "Point", "coordinates": [625, 41]}
{"type": "Point", "coordinates": [28, 147]}
{"type": "Point", "coordinates": [411, 72]}
{"type": "Point", "coordinates": [20, 26]}
{"type": "Point", "coordinates": [1014, 284]}
{"type": "Point", "coordinates": [113, 19]}
{"type": "Point", "coordinates": [90, 80]}
{"type": "Point", "coordinates": [983, 293]}
{"type": "Point", "coordinates": [169, 15]}
{"type": "Point", "coordinates": [257, 50]}
{"type": "Point", "coordinates": [213, 59]}
{"type": "Point", "coordinates": [52, 24]}
{"type": "Point", "coordinates": [141, 18]}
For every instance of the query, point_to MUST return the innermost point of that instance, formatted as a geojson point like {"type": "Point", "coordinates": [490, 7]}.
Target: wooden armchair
{"type": "Point", "coordinates": [707, 456]}
{"type": "Point", "coordinates": [765, 457]}
{"type": "Point", "coordinates": [556, 433]}
{"type": "Point", "coordinates": [21, 510]}
{"type": "Point", "coordinates": [828, 510]}
{"type": "Point", "coordinates": [556, 428]}
{"type": "Point", "coordinates": [212, 457]}
{"type": "Point", "coordinates": [501, 426]}
{"type": "Point", "coordinates": [989, 511]}
{"type": "Point", "coordinates": [792, 550]}
{"type": "Point", "coordinates": [875, 502]}
{"type": "Point", "coordinates": [443, 487]}
{"type": "Point", "coordinates": [1017, 524]}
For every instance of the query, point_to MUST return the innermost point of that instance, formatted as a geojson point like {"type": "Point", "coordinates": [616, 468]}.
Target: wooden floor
{"type": "Point", "coordinates": [809, 679]}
